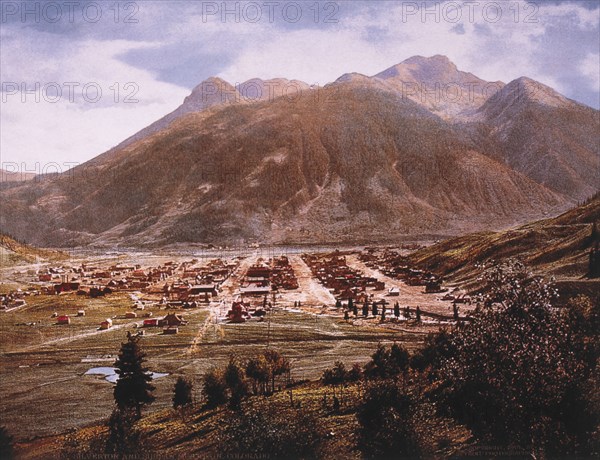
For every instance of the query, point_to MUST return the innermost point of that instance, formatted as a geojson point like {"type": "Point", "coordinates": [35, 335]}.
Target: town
{"type": "Point", "coordinates": [72, 315]}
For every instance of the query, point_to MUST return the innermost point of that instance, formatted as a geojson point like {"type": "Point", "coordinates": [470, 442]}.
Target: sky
{"type": "Point", "coordinates": [79, 77]}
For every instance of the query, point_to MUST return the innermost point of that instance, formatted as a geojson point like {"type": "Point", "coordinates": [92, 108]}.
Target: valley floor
{"type": "Point", "coordinates": [44, 389]}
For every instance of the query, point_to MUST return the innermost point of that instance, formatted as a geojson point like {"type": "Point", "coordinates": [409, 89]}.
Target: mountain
{"type": "Point", "coordinates": [13, 176]}
{"type": "Point", "coordinates": [545, 136]}
{"type": "Point", "coordinates": [217, 92]}
{"type": "Point", "coordinates": [559, 246]}
{"type": "Point", "coordinates": [437, 84]}
{"type": "Point", "coordinates": [12, 251]}
{"type": "Point", "coordinates": [278, 161]}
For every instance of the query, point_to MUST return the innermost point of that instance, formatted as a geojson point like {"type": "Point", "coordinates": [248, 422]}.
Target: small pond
{"type": "Point", "coordinates": [110, 373]}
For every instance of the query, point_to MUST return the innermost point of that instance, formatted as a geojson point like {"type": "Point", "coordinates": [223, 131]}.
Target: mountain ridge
{"type": "Point", "coordinates": [353, 160]}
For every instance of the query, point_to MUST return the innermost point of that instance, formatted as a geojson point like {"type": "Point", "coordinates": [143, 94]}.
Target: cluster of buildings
{"type": "Point", "coordinates": [170, 281]}
{"type": "Point", "coordinates": [343, 282]}
{"type": "Point", "coordinates": [263, 278]}
{"type": "Point", "coordinates": [394, 265]}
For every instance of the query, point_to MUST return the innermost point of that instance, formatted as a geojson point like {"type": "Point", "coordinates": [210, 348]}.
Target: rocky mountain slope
{"type": "Point", "coordinates": [361, 159]}
{"type": "Point", "coordinates": [559, 246]}
{"type": "Point", "coordinates": [12, 251]}
{"type": "Point", "coordinates": [15, 176]}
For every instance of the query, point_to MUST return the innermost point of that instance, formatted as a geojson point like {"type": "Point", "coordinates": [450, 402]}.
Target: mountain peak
{"type": "Point", "coordinates": [352, 77]}
{"type": "Point", "coordinates": [212, 91]}
{"type": "Point", "coordinates": [421, 68]}
{"type": "Point", "coordinates": [438, 59]}
{"type": "Point", "coordinates": [525, 89]}
{"type": "Point", "coordinates": [436, 83]}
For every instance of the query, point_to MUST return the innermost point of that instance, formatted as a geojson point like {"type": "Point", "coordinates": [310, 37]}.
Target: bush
{"type": "Point", "coordinates": [437, 347]}
{"type": "Point", "coordinates": [268, 431]}
{"type": "Point", "coordinates": [214, 388]}
{"type": "Point", "coordinates": [386, 422]}
{"type": "Point", "coordinates": [518, 370]}
{"type": "Point", "coordinates": [236, 383]}
{"type": "Point", "coordinates": [387, 363]}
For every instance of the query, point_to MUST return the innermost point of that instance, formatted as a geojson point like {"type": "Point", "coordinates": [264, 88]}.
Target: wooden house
{"type": "Point", "coordinates": [172, 319]}
{"type": "Point", "coordinates": [63, 319]}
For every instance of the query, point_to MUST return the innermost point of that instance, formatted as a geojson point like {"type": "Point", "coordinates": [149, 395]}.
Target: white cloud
{"type": "Point", "coordinates": [367, 39]}
{"type": "Point", "coordinates": [590, 68]}
{"type": "Point", "coordinates": [39, 126]}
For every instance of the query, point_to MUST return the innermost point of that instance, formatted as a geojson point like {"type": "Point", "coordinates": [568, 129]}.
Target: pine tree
{"type": "Point", "coordinates": [374, 309]}
{"type": "Point", "coordinates": [182, 393]}
{"type": "Point", "coordinates": [365, 310]}
{"type": "Point", "coordinates": [418, 314]}
{"type": "Point", "coordinates": [6, 444]}
{"type": "Point", "coordinates": [397, 310]}
{"type": "Point", "coordinates": [123, 438]}
{"type": "Point", "coordinates": [133, 389]}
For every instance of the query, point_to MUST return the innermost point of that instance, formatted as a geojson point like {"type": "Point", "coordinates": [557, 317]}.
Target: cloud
{"type": "Point", "coordinates": [79, 98]}
{"type": "Point", "coordinates": [172, 47]}
{"type": "Point", "coordinates": [590, 69]}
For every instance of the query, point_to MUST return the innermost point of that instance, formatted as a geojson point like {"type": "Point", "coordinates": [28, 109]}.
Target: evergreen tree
{"type": "Point", "coordinates": [455, 311]}
{"type": "Point", "coordinates": [407, 312]}
{"type": "Point", "coordinates": [133, 389]}
{"type": "Point", "coordinates": [182, 393]}
{"type": "Point", "coordinates": [365, 310]}
{"type": "Point", "coordinates": [338, 304]}
{"type": "Point", "coordinates": [350, 304]}
{"type": "Point", "coordinates": [418, 314]}
{"type": "Point", "coordinates": [397, 310]}
{"type": "Point", "coordinates": [374, 309]}
{"type": "Point", "coordinates": [6, 444]}
{"type": "Point", "coordinates": [355, 309]}
{"type": "Point", "coordinates": [383, 313]}
{"type": "Point", "coordinates": [123, 438]}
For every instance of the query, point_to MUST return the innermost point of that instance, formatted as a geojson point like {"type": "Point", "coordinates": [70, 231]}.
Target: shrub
{"type": "Point", "coordinates": [123, 438]}
{"type": "Point", "coordinates": [386, 422]}
{"type": "Point", "coordinates": [267, 431]}
{"type": "Point", "coordinates": [387, 363]}
{"type": "Point", "coordinates": [214, 388]}
{"type": "Point", "coordinates": [518, 371]}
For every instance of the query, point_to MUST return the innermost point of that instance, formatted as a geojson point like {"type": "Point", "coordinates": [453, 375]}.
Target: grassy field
{"type": "Point", "coordinates": [43, 389]}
